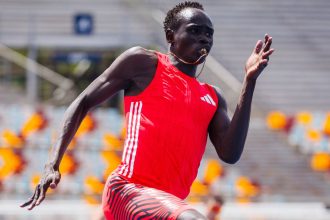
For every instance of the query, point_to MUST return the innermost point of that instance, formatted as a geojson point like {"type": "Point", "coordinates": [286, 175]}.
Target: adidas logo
{"type": "Point", "coordinates": [207, 98]}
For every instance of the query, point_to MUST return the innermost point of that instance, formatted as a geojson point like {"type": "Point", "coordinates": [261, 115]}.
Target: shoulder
{"type": "Point", "coordinates": [139, 56]}
{"type": "Point", "coordinates": [133, 62]}
{"type": "Point", "coordinates": [138, 67]}
{"type": "Point", "coordinates": [140, 51]}
{"type": "Point", "coordinates": [221, 100]}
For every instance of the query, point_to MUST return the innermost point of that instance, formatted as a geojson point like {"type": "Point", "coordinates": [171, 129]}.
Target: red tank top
{"type": "Point", "coordinates": [167, 128]}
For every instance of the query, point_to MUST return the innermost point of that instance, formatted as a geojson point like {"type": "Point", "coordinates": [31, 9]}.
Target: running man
{"type": "Point", "coordinates": [169, 114]}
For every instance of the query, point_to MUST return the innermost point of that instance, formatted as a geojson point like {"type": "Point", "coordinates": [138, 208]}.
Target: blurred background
{"type": "Point", "coordinates": [51, 50]}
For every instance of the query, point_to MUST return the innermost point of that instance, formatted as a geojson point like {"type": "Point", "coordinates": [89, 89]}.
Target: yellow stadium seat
{"type": "Point", "coordinates": [91, 200]}
{"type": "Point", "coordinates": [12, 140]}
{"type": "Point", "coordinates": [10, 162]}
{"type": "Point", "coordinates": [243, 200]}
{"type": "Point", "coordinates": [304, 118]}
{"type": "Point", "coordinates": [213, 171]}
{"type": "Point", "coordinates": [87, 125]}
{"type": "Point", "coordinates": [245, 188]}
{"type": "Point", "coordinates": [94, 185]}
{"type": "Point", "coordinates": [35, 123]}
{"type": "Point", "coordinates": [112, 161]}
{"type": "Point", "coordinates": [276, 120]}
{"type": "Point", "coordinates": [199, 189]}
{"type": "Point", "coordinates": [112, 142]}
{"type": "Point", "coordinates": [326, 127]}
{"type": "Point", "coordinates": [313, 135]}
{"type": "Point", "coordinates": [69, 164]}
{"type": "Point", "coordinates": [321, 161]}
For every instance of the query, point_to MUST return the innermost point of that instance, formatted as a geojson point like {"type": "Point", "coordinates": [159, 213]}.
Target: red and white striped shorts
{"type": "Point", "coordinates": [123, 200]}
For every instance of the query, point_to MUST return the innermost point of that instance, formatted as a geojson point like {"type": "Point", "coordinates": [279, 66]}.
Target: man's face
{"type": "Point", "coordinates": [194, 33]}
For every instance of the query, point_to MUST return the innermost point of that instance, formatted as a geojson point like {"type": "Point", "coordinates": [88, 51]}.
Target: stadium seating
{"type": "Point", "coordinates": [92, 155]}
{"type": "Point", "coordinates": [308, 132]}
{"type": "Point", "coordinates": [296, 79]}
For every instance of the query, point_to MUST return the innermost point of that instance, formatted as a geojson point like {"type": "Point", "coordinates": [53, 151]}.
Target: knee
{"type": "Point", "coordinates": [191, 215]}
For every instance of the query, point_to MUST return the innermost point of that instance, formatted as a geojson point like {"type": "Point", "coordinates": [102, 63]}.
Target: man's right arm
{"type": "Point", "coordinates": [120, 75]}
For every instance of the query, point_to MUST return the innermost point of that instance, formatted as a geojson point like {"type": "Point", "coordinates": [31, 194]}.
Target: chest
{"type": "Point", "coordinates": [184, 96]}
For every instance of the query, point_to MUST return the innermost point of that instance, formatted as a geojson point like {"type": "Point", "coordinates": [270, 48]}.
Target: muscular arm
{"type": "Point", "coordinates": [119, 76]}
{"type": "Point", "coordinates": [128, 72]}
{"type": "Point", "coordinates": [228, 137]}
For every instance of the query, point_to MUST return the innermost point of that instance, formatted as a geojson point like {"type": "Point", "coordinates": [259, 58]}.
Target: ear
{"type": "Point", "coordinates": [169, 36]}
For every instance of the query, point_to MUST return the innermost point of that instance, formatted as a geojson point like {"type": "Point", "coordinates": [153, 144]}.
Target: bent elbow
{"type": "Point", "coordinates": [230, 153]}
{"type": "Point", "coordinates": [229, 159]}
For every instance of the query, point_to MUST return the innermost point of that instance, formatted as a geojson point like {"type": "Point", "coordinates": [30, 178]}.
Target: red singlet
{"type": "Point", "coordinates": [167, 128]}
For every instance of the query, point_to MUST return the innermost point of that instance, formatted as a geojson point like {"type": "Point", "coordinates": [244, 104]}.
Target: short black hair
{"type": "Point", "coordinates": [171, 21]}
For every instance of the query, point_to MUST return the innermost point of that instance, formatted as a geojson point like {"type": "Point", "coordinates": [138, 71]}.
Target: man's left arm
{"type": "Point", "coordinates": [228, 137]}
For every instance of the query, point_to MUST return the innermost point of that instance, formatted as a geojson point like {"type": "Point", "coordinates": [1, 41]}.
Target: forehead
{"type": "Point", "coordinates": [194, 15]}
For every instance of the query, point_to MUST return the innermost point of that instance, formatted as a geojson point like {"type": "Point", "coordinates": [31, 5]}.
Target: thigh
{"type": "Point", "coordinates": [123, 200]}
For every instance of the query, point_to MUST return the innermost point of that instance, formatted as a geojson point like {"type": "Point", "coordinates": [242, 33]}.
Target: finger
{"type": "Point", "coordinates": [258, 47]}
{"type": "Point", "coordinates": [33, 204]}
{"type": "Point", "coordinates": [268, 44]}
{"type": "Point", "coordinates": [26, 203]}
{"type": "Point", "coordinates": [267, 54]}
{"type": "Point", "coordinates": [30, 199]}
{"type": "Point", "coordinates": [42, 195]}
{"type": "Point", "coordinates": [266, 38]}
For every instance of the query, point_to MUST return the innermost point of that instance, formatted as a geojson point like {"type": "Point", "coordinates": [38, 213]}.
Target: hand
{"type": "Point", "coordinates": [50, 178]}
{"type": "Point", "coordinates": [259, 58]}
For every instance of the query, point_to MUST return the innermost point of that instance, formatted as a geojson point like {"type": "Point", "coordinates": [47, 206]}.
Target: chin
{"type": "Point", "coordinates": [202, 60]}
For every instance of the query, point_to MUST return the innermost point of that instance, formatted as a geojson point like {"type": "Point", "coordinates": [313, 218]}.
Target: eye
{"type": "Point", "coordinates": [194, 30]}
{"type": "Point", "coordinates": [209, 34]}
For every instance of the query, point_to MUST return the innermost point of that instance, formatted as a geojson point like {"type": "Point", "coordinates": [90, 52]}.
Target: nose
{"type": "Point", "coordinates": [205, 42]}
{"type": "Point", "coordinates": [205, 39]}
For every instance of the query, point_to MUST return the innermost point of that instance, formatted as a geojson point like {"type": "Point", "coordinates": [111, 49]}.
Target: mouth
{"type": "Point", "coordinates": [204, 51]}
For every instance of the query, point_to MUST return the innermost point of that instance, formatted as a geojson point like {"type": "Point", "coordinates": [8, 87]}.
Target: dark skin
{"type": "Point", "coordinates": [133, 71]}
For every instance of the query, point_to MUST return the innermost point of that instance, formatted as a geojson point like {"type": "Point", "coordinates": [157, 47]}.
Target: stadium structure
{"type": "Point", "coordinates": [51, 50]}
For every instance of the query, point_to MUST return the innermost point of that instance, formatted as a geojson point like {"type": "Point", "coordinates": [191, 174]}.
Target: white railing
{"type": "Point", "coordinates": [64, 84]}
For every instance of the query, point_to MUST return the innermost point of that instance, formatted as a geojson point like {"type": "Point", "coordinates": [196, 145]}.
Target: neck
{"type": "Point", "coordinates": [185, 67]}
